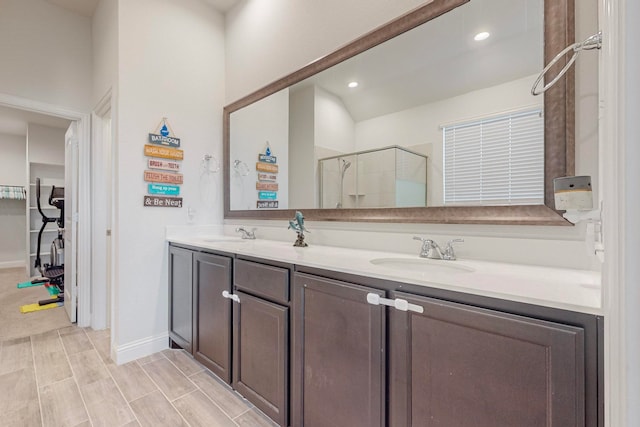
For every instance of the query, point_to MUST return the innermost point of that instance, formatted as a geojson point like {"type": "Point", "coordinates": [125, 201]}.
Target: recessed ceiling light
{"type": "Point", "coordinates": [353, 84]}
{"type": "Point", "coordinates": [481, 36]}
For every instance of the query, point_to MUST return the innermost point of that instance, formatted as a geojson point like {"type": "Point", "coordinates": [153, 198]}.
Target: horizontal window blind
{"type": "Point", "coordinates": [495, 161]}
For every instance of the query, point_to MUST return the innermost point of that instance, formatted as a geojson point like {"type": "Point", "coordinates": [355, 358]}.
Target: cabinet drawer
{"type": "Point", "coordinates": [262, 280]}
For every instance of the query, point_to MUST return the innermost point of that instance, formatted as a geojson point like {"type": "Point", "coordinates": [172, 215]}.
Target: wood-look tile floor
{"type": "Point", "coordinates": [66, 378]}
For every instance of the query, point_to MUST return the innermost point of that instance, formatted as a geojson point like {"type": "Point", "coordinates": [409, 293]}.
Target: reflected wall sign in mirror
{"type": "Point", "coordinates": [426, 119]}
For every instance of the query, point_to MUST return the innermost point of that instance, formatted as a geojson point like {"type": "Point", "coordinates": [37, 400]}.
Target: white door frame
{"type": "Point", "coordinates": [83, 271]}
{"type": "Point", "coordinates": [100, 219]}
{"type": "Point", "coordinates": [69, 220]}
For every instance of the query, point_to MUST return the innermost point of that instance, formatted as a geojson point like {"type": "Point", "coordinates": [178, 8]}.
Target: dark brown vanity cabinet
{"type": "Point", "coordinates": [261, 337]}
{"type": "Point", "coordinates": [345, 350]}
{"type": "Point", "coordinates": [458, 365]}
{"type": "Point", "coordinates": [338, 355]}
{"type": "Point", "coordinates": [212, 313]}
{"type": "Point", "coordinates": [181, 297]}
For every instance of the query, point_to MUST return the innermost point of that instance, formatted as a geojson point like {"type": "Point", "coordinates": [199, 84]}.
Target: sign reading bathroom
{"type": "Point", "coordinates": [269, 186]}
{"type": "Point", "coordinates": [163, 177]}
{"type": "Point", "coordinates": [163, 202]}
{"type": "Point", "coordinates": [267, 204]}
{"type": "Point", "coordinates": [267, 177]}
{"type": "Point", "coordinates": [266, 167]}
{"type": "Point", "coordinates": [164, 165]}
{"type": "Point", "coordinates": [267, 195]}
{"type": "Point", "coordinates": [163, 152]}
{"type": "Point", "coordinates": [164, 189]}
{"type": "Point", "coordinates": [266, 157]}
{"type": "Point", "coordinates": [164, 135]}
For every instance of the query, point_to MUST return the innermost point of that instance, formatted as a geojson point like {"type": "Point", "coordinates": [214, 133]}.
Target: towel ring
{"type": "Point", "coordinates": [591, 42]}
{"type": "Point", "coordinates": [210, 164]}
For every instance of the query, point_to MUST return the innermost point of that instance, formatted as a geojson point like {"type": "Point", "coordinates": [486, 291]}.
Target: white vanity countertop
{"type": "Point", "coordinates": [575, 290]}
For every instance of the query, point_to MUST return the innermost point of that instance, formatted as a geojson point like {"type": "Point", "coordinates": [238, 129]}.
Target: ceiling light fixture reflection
{"type": "Point", "coordinates": [481, 36]}
{"type": "Point", "coordinates": [353, 84]}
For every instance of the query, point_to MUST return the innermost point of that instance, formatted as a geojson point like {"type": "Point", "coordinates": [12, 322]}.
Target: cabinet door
{"type": "Point", "coordinates": [212, 313]}
{"type": "Point", "coordinates": [180, 296]}
{"type": "Point", "coordinates": [260, 360]}
{"type": "Point", "coordinates": [457, 365]}
{"type": "Point", "coordinates": [338, 355]}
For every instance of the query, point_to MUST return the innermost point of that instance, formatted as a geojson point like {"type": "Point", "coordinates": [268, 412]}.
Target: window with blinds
{"type": "Point", "coordinates": [495, 161]}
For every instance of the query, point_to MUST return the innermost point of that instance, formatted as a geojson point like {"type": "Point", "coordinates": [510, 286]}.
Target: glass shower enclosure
{"type": "Point", "coordinates": [381, 178]}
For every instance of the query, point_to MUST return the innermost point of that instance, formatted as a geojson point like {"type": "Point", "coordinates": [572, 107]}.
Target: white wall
{"type": "Point", "coordinates": [421, 125]}
{"type": "Point", "coordinates": [171, 64]}
{"type": "Point", "coordinates": [46, 53]}
{"type": "Point", "coordinates": [267, 40]}
{"type": "Point", "coordinates": [45, 144]}
{"type": "Point", "coordinates": [281, 36]}
{"type": "Point", "coordinates": [13, 217]}
{"type": "Point", "coordinates": [250, 139]}
{"type": "Point", "coordinates": [104, 41]}
{"type": "Point", "coordinates": [14, 160]}
{"type": "Point", "coordinates": [334, 127]}
{"type": "Point", "coordinates": [302, 192]}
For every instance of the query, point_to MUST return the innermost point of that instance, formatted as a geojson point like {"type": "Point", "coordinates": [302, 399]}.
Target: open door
{"type": "Point", "coordinates": [71, 221]}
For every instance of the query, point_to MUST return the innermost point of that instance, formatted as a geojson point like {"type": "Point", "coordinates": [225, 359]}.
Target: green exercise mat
{"type": "Point", "coordinates": [30, 284]}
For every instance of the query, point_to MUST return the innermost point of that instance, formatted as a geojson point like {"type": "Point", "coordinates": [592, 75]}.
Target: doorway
{"type": "Point", "coordinates": [79, 219]}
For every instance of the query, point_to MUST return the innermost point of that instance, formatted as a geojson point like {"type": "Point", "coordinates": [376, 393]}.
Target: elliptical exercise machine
{"type": "Point", "coordinates": [53, 272]}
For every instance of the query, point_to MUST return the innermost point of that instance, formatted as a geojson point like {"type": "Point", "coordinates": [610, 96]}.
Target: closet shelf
{"type": "Point", "coordinates": [42, 255]}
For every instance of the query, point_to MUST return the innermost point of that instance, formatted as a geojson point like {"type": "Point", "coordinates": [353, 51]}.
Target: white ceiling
{"type": "Point", "coordinates": [82, 7]}
{"type": "Point", "coordinates": [87, 7]}
{"type": "Point", "coordinates": [440, 59]}
{"type": "Point", "coordinates": [14, 121]}
{"type": "Point", "coordinates": [222, 5]}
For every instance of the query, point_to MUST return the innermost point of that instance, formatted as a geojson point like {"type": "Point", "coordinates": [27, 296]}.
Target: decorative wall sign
{"type": "Point", "coordinates": [267, 204]}
{"type": "Point", "coordinates": [267, 177]}
{"type": "Point", "coordinates": [164, 165]}
{"type": "Point", "coordinates": [165, 202]}
{"type": "Point", "coordinates": [163, 189]}
{"type": "Point", "coordinates": [267, 195]}
{"type": "Point", "coordinates": [163, 152]}
{"type": "Point", "coordinates": [164, 135]}
{"type": "Point", "coordinates": [267, 159]}
{"type": "Point", "coordinates": [163, 184]}
{"type": "Point", "coordinates": [270, 186]}
{"type": "Point", "coordinates": [266, 185]}
{"type": "Point", "coordinates": [266, 167]}
{"type": "Point", "coordinates": [163, 177]}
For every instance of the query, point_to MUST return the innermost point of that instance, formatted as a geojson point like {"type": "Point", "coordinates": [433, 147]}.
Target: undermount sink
{"type": "Point", "coordinates": [422, 265]}
{"type": "Point", "coordinates": [221, 239]}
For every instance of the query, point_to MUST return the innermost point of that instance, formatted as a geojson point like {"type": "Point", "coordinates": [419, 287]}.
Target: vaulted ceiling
{"type": "Point", "coordinates": [87, 7]}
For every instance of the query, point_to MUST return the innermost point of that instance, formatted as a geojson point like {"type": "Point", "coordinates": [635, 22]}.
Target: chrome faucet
{"type": "Point", "coordinates": [431, 250]}
{"type": "Point", "coordinates": [247, 234]}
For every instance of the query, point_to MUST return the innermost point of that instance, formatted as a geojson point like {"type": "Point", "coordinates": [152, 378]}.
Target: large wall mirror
{"type": "Point", "coordinates": [429, 118]}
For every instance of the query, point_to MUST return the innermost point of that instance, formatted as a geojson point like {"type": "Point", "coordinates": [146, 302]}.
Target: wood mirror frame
{"type": "Point", "coordinates": [559, 123]}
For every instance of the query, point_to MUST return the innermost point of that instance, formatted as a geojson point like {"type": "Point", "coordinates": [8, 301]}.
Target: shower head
{"type": "Point", "coordinates": [345, 166]}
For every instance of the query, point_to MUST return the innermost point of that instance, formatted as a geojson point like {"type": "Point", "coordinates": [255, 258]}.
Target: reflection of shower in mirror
{"type": "Point", "coordinates": [343, 169]}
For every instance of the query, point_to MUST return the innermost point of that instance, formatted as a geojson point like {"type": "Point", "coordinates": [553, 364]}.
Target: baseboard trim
{"type": "Point", "coordinates": [12, 264]}
{"type": "Point", "coordinates": [140, 348]}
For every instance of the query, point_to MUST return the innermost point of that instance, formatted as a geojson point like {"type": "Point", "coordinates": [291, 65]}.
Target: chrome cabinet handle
{"type": "Point", "coordinates": [230, 296]}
